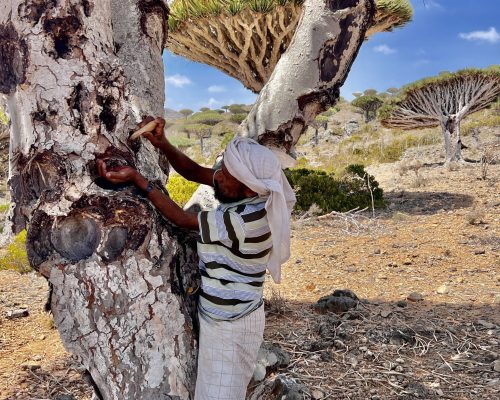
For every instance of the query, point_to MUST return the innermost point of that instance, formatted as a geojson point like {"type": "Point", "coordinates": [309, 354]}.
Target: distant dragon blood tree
{"type": "Point", "coordinates": [369, 104]}
{"type": "Point", "coordinates": [246, 38]}
{"type": "Point", "coordinates": [443, 101]}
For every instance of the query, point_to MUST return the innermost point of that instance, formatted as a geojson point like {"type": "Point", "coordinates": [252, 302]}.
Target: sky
{"type": "Point", "coordinates": [445, 35]}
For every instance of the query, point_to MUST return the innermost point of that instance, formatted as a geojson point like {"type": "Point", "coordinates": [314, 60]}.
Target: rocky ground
{"type": "Point", "coordinates": [426, 324]}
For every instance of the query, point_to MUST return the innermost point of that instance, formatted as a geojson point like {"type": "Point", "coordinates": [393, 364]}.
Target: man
{"type": "Point", "coordinates": [247, 233]}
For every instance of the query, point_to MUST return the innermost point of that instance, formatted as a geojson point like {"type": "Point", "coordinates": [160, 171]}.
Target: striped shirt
{"type": "Point", "coordinates": [234, 246]}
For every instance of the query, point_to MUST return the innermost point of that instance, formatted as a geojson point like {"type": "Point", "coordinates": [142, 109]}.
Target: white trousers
{"type": "Point", "coordinates": [227, 356]}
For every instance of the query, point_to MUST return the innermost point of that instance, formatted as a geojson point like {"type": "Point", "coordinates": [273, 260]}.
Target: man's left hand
{"type": "Point", "coordinates": [116, 175]}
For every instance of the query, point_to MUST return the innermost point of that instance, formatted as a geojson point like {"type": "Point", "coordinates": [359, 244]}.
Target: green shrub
{"type": "Point", "coordinates": [206, 118]}
{"type": "Point", "coordinates": [331, 194]}
{"type": "Point", "coordinates": [226, 139]}
{"type": "Point", "coordinates": [15, 256]}
{"type": "Point", "coordinates": [180, 189]}
{"type": "Point", "coordinates": [180, 141]}
{"type": "Point", "coordinates": [4, 208]}
{"type": "Point", "coordinates": [237, 118]}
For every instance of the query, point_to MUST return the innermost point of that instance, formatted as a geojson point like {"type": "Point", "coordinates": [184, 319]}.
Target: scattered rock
{"type": "Point", "coordinates": [496, 365]}
{"type": "Point", "coordinates": [400, 360]}
{"type": "Point", "coordinates": [385, 313]}
{"type": "Point", "coordinates": [351, 127]}
{"type": "Point", "coordinates": [415, 296]}
{"type": "Point", "coordinates": [317, 394]}
{"type": "Point", "coordinates": [259, 373]}
{"type": "Point", "coordinates": [486, 324]}
{"type": "Point", "coordinates": [407, 262]}
{"type": "Point", "coordinates": [298, 261]}
{"type": "Point", "coordinates": [287, 388]}
{"type": "Point", "coordinates": [20, 313]}
{"type": "Point", "coordinates": [269, 358]}
{"type": "Point", "coordinates": [479, 251]}
{"type": "Point", "coordinates": [402, 304]}
{"type": "Point", "coordinates": [443, 289]}
{"type": "Point", "coordinates": [339, 302]}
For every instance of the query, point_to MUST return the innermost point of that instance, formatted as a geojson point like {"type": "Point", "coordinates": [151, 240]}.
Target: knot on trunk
{"type": "Point", "coordinates": [108, 226]}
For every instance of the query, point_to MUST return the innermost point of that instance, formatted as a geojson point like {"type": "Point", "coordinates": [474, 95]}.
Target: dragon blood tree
{"type": "Point", "coordinates": [246, 38]}
{"type": "Point", "coordinates": [444, 100]}
{"type": "Point", "coordinates": [77, 75]}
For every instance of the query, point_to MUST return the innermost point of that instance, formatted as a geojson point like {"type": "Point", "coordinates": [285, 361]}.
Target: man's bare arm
{"type": "Point", "coordinates": [186, 167]}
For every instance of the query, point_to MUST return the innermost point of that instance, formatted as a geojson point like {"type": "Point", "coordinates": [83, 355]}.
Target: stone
{"type": "Point", "coordinates": [486, 324]}
{"type": "Point", "coordinates": [317, 394]}
{"type": "Point", "coordinates": [351, 127]}
{"type": "Point", "coordinates": [259, 373]}
{"type": "Point", "coordinates": [400, 360]}
{"type": "Point", "coordinates": [385, 313]}
{"type": "Point", "coordinates": [496, 365]}
{"type": "Point", "coordinates": [339, 302]}
{"type": "Point", "coordinates": [298, 261]}
{"type": "Point", "coordinates": [64, 397]}
{"type": "Point", "coordinates": [20, 313]}
{"type": "Point", "coordinates": [402, 304]}
{"type": "Point", "coordinates": [479, 252]}
{"type": "Point", "coordinates": [443, 289]}
{"type": "Point", "coordinates": [415, 296]}
{"type": "Point", "coordinates": [269, 358]}
{"type": "Point", "coordinates": [287, 388]}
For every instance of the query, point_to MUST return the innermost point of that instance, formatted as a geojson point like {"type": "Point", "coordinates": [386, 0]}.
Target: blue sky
{"type": "Point", "coordinates": [445, 35]}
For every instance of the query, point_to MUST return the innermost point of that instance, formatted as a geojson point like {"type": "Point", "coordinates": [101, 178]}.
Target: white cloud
{"type": "Point", "coordinates": [430, 4]}
{"type": "Point", "coordinates": [177, 80]}
{"type": "Point", "coordinates": [490, 35]}
{"type": "Point", "coordinates": [384, 49]}
{"type": "Point", "coordinates": [212, 103]}
{"type": "Point", "coordinates": [216, 89]}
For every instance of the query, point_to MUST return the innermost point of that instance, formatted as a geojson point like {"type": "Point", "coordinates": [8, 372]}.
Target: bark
{"type": "Point", "coordinates": [326, 43]}
{"type": "Point", "coordinates": [452, 139]}
{"type": "Point", "coordinates": [77, 75]}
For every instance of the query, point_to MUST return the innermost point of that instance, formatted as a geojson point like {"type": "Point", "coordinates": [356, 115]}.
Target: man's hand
{"type": "Point", "coordinates": [157, 137]}
{"type": "Point", "coordinates": [116, 175]}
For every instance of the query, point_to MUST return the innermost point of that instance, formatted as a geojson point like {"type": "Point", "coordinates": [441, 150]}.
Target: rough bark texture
{"type": "Point", "coordinates": [248, 45]}
{"type": "Point", "coordinates": [78, 74]}
{"type": "Point", "coordinates": [444, 102]}
{"type": "Point", "coordinates": [326, 43]}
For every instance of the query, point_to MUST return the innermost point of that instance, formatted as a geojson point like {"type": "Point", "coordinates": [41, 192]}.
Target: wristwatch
{"type": "Point", "coordinates": [145, 192]}
{"type": "Point", "coordinates": [149, 188]}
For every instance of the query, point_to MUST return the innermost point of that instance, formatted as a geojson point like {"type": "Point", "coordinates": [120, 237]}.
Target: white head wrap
{"type": "Point", "coordinates": [258, 168]}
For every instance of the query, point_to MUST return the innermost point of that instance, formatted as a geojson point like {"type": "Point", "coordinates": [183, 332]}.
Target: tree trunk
{"type": "Point", "coordinates": [452, 140]}
{"type": "Point", "coordinates": [78, 74]}
{"type": "Point", "coordinates": [326, 43]}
